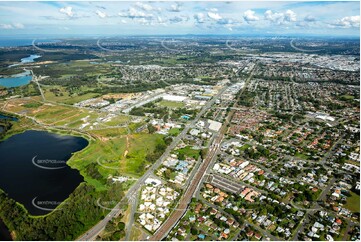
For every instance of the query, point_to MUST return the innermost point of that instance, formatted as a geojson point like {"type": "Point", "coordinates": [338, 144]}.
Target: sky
{"type": "Point", "coordinates": [177, 18]}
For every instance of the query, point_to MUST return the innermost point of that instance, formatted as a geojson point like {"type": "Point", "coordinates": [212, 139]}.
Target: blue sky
{"type": "Point", "coordinates": [188, 17]}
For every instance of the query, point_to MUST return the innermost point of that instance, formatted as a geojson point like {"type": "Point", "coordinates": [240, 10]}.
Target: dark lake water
{"type": "Point", "coordinates": [8, 117]}
{"type": "Point", "coordinates": [4, 232]}
{"type": "Point", "coordinates": [33, 169]}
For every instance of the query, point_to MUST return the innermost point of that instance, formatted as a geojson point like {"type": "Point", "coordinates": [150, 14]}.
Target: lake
{"type": "Point", "coordinates": [33, 169]}
{"type": "Point", "coordinates": [16, 80]}
{"type": "Point", "coordinates": [8, 117]}
{"type": "Point", "coordinates": [4, 232]}
{"type": "Point", "coordinates": [30, 59]}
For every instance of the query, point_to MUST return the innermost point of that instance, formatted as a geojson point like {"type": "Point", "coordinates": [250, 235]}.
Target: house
{"type": "Point", "coordinates": [198, 208]}
{"type": "Point", "coordinates": [213, 211]}
{"type": "Point", "coordinates": [250, 233]}
{"type": "Point", "coordinates": [258, 236]}
{"type": "Point", "coordinates": [230, 221]}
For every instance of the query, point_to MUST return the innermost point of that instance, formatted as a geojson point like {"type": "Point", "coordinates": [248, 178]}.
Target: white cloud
{"type": "Point", "coordinates": [290, 16]}
{"type": "Point", "coordinates": [250, 15]}
{"type": "Point", "coordinates": [64, 28]}
{"type": "Point", "coordinates": [214, 16]}
{"type": "Point", "coordinates": [18, 26]}
{"type": "Point", "coordinates": [134, 13]}
{"type": "Point", "coordinates": [212, 9]}
{"type": "Point", "coordinates": [280, 18]}
{"type": "Point", "coordinates": [348, 22]}
{"type": "Point", "coordinates": [101, 14]}
{"type": "Point", "coordinates": [12, 26]}
{"type": "Point", "coordinates": [6, 26]}
{"type": "Point", "coordinates": [176, 7]}
{"type": "Point", "coordinates": [68, 11]}
{"type": "Point", "coordinates": [147, 7]}
{"type": "Point", "coordinates": [178, 19]}
{"type": "Point", "coordinates": [309, 18]}
{"type": "Point", "coordinates": [200, 17]}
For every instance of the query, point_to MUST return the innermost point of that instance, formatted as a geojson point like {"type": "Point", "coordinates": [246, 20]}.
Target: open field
{"type": "Point", "coordinates": [353, 202]}
{"type": "Point", "coordinates": [171, 104]}
{"type": "Point", "coordinates": [64, 116]}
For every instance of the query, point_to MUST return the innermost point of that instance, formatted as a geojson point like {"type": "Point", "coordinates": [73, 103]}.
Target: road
{"type": "Point", "coordinates": [35, 79]}
{"type": "Point", "coordinates": [312, 210]}
{"type": "Point", "coordinates": [198, 177]}
{"type": "Point", "coordinates": [93, 232]}
{"type": "Point", "coordinates": [264, 232]}
{"type": "Point", "coordinates": [187, 196]}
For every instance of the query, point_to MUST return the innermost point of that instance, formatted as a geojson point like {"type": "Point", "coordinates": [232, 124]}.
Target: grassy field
{"type": "Point", "coordinates": [189, 152]}
{"type": "Point", "coordinates": [67, 116]}
{"type": "Point", "coordinates": [353, 202]}
{"type": "Point", "coordinates": [64, 97]}
{"type": "Point", "coordinates": [174, 131]}
{"type": "Point", "coordinates": [171, 104]}
{"type": "Point", "coordinates": [140, 145]}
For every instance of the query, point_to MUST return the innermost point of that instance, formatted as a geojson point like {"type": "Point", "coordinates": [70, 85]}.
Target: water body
{"type": "Point", "coordinates": [14, 42]}
{"type": "Point", "coordinates": [38, 176]}
{"type": "Point", "coordinates": [30, 59]}
{"type": "Point", "coordinates": [25, 60]}
{"type": "Point", "coordinates": [16, 80]}
{"type": "Point", "coordinates": [8, 117]}
{"type": "Point", "coordinates": [4, 232]}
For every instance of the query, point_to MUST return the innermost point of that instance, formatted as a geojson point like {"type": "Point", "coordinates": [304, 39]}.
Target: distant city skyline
{"type": "Point", "coordinates": [180, 18]}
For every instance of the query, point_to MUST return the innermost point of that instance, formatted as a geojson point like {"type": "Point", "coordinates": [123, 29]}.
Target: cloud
{"type": "Point", "coordinates": [280, 18]}
{"type": "Point", "coordinates": [64, 28]}
{"type": "Point", "coordinates": [12, 26]}
{"type": "Point", "coordinates": [199, 17]}
{"type": "Point", "coordinates": [250, 16]}
{"type": "Point", "coordinates": [214, 16]}
{"type": "Point", "coordinates": [147, 7]}
{"type": "Point", "coordinates": [212, 9]}
{"type": "Point", "coordinates": [6, 26]}
{"type": "Point", "coordinates": [18, 26]}
{"type": "Point", "coordinates": [348, 22]}
{"type": "Point", "coordinates": [176, 7]}
{"type": "Point", "coordinates": [134, 13]}
{"type": "Point", "coordinates": [68, 11]}
{"type": "Point", "coordinates": [309, 18]}
{"type": "Point", "coordinates": [178, 19]}
{"type": "Point", "coordinates": [101, 14]}
{"type": "Point", "coordinates": [290, 16]}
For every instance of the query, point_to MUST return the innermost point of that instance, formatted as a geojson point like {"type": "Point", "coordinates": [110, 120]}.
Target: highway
{"type": "Point", "coordinates": [94, 231]}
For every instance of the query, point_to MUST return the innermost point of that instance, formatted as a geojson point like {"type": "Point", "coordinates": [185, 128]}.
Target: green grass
{"type": "Point", "coordinates": [119, 120]}
{"type": "Point", "coordinates": [171, 104]}
{"type": "Point", "coordinates": [347, 97]}
{"type": "Point", "coordinates": [174, 131]}
{"type": "Point", "coordinates": [302, 156]}
{"type": "Point", "coordinates": [353, 202]}
{"type": "Point", "coordinates": [189, 152]}
{"type": "Point", "coordinates": [244, 147]}
{"type": "Point", "coordinates": [140, 146]}
{"type": "Point", "coordinates": [32, 105]}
